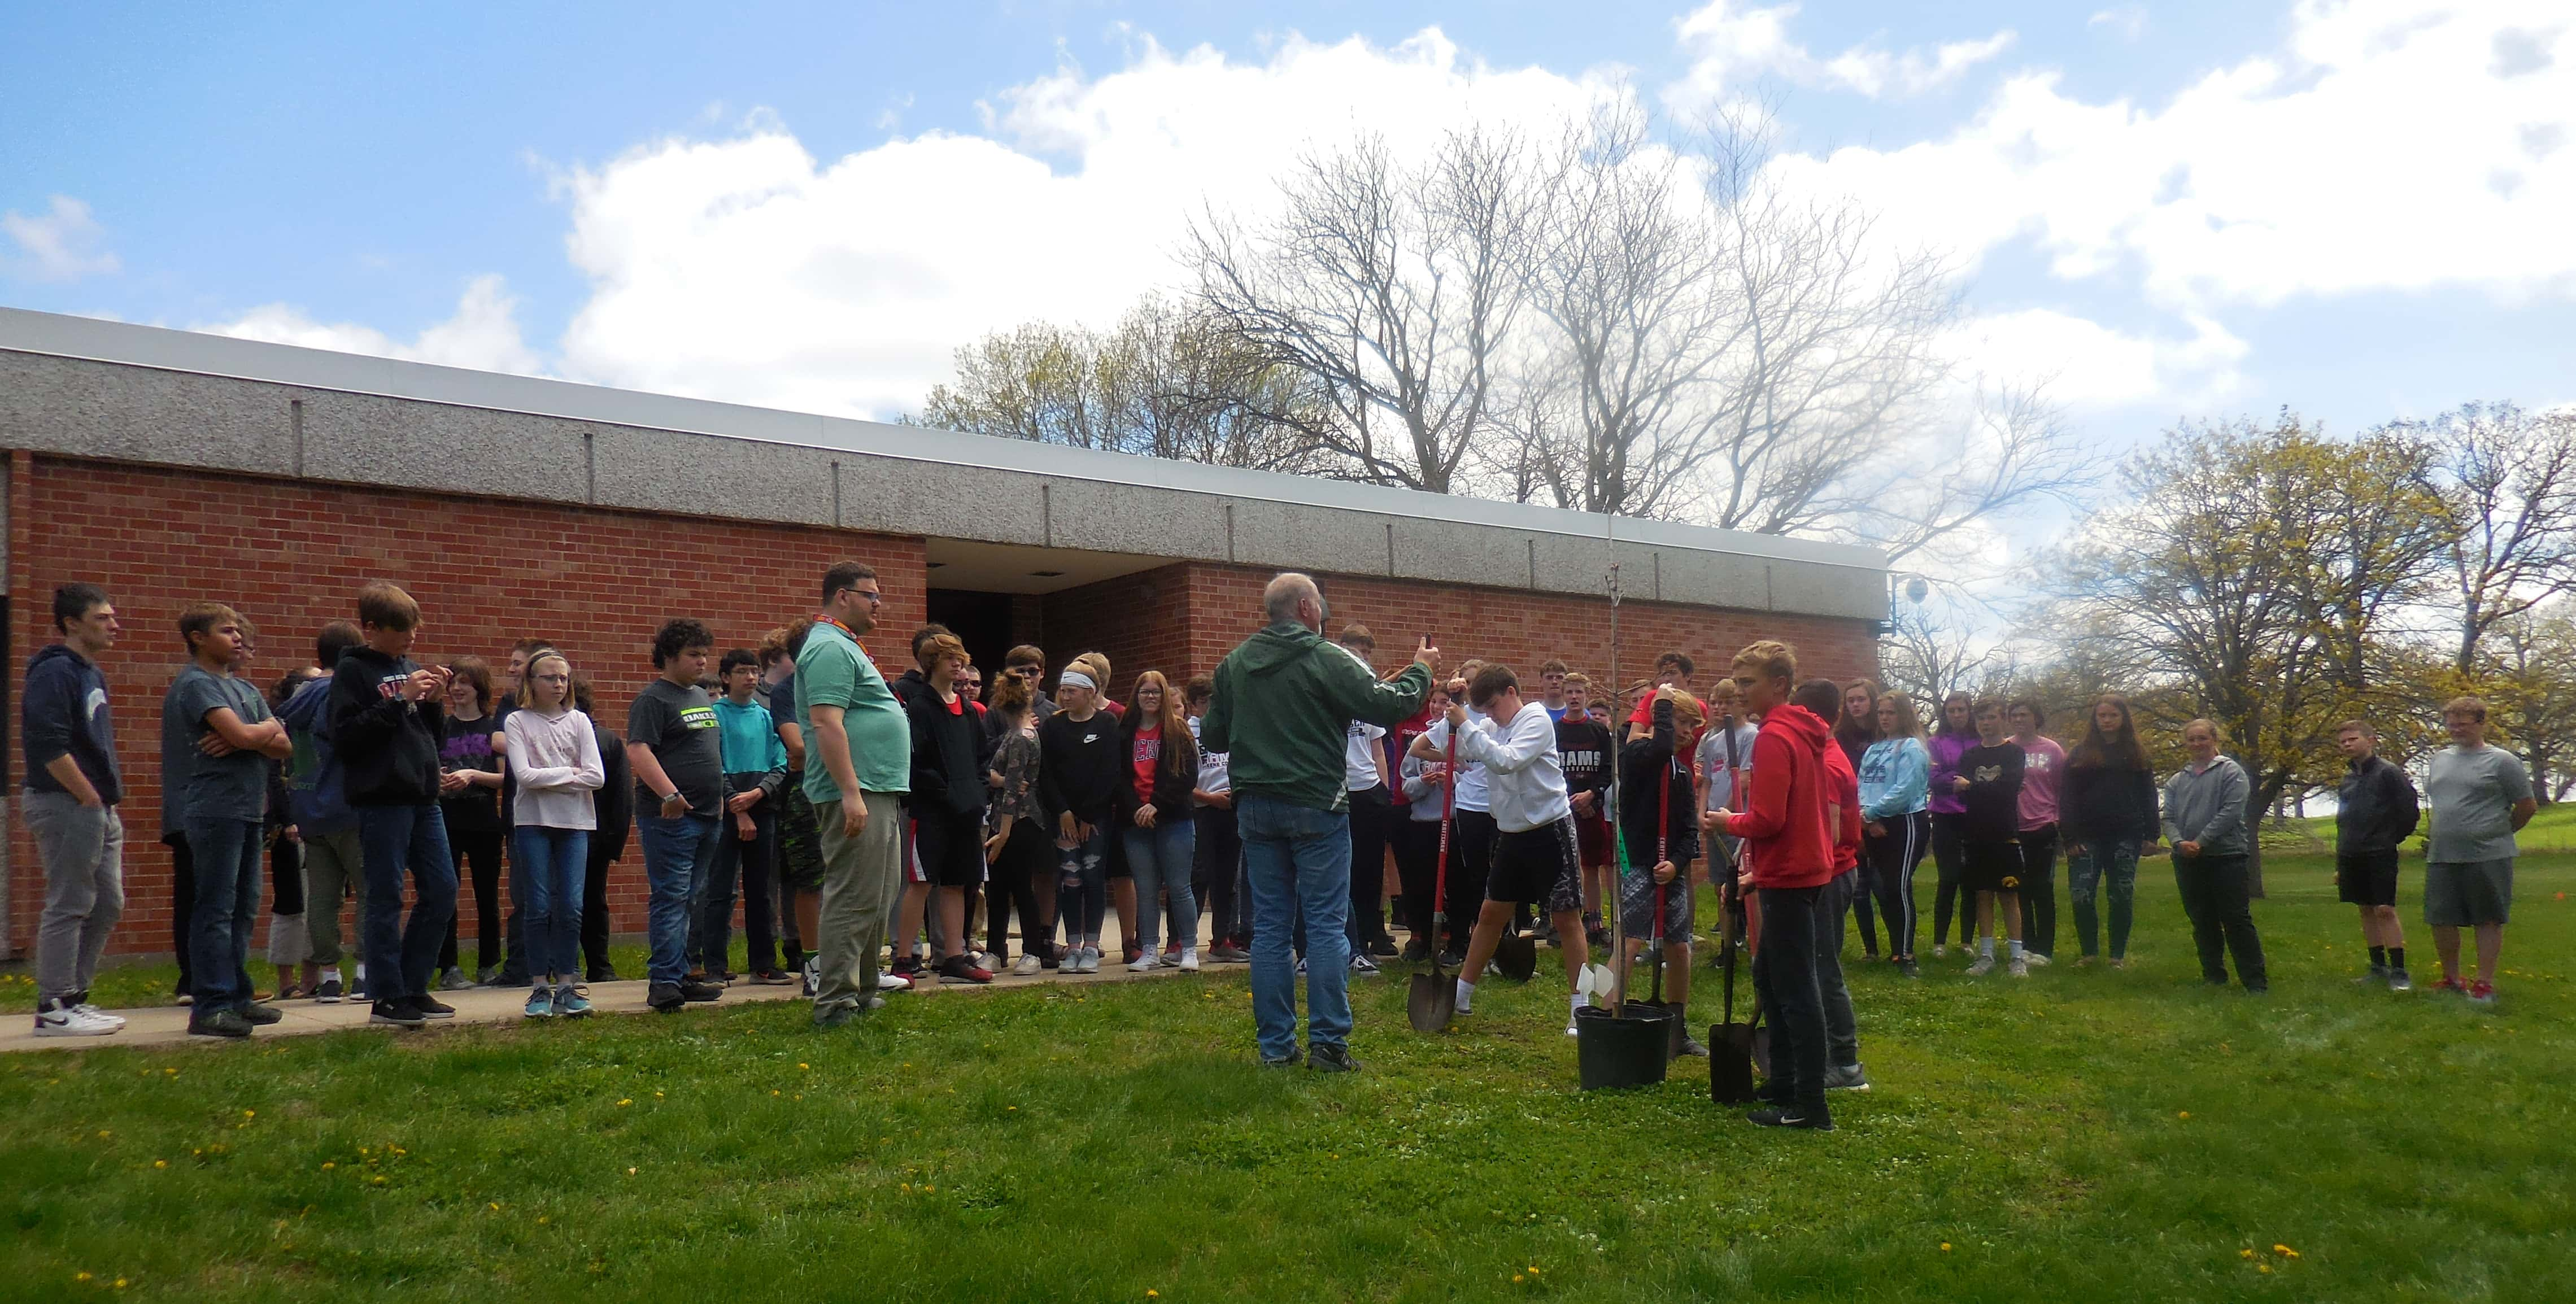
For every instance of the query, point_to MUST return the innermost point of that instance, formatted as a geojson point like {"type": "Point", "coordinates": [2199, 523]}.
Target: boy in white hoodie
{"type": "Point", "coordinates": [1535, 858]}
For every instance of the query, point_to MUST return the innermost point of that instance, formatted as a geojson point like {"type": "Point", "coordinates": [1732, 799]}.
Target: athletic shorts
{"type": "Point", "coordinates": [1637, 904]}
{"type": "Point", "coordinates": [1538, 867]}
{"type": "Point", "coordinates": [1592, 840]}
{"type": "Point", "coordinates": [2466, 893]}
{"type": "Point", "coordinates": [949, 849]}
{"type": "Point", "coordinates": [1990, 866]}
{"type": "Point", "coordinates": [2369, 879]}
{"type": "Point", "coordinates": [800, 848]}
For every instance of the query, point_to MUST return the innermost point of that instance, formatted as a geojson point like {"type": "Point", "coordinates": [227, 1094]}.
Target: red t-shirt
{"type": "Point", "coordinates": [1148, 755]}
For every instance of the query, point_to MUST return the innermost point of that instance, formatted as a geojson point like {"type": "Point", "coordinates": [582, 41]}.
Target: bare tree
{"type": "Point", "coordinates": [1626, 275]}
{"type": "Point", "coordinates": [1393, 288]}
{"type": "Point", "coordinates": [1941, 645]}
{"type": "Point", "coordinates": [2512, 488]}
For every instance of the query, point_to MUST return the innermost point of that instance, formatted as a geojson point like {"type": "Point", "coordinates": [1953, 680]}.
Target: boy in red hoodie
{"type": "Point", "coordinates": [1791, 848]}
{"type": "Point", "coordinates": [1842, 806]}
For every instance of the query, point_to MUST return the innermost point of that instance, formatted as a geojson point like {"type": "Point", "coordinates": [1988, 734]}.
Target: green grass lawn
{"type": "Point", "coordinates": [2552, 829]}
{"type": "Point", "coordinates": [2081, 1136]}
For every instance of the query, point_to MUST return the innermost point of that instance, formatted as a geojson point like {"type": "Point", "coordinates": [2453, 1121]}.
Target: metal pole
{"type": "Point", "coordinates": [1618, 722]}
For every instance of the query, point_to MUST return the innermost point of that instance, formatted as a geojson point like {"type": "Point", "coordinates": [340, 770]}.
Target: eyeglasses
{"type": "Point", "coordinates": [870, 594]}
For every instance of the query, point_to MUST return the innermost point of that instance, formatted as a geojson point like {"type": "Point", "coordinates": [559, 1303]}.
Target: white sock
{"type": "Point", "coordinates": [1581, 1001]}
{"type": "Point", "coordinates": [1986, 948]}
{"type": "Point", "coordinates": [2016, 950]}
{"type": "Point", "coordinates": [1466, 996]}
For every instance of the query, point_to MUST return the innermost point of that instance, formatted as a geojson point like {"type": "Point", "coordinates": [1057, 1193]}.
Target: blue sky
{"type": "Point", "coordinates": [2176, 209]}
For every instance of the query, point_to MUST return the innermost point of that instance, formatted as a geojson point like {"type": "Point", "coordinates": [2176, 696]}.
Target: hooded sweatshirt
{"type": "Point", "coordinates": [1842, 805]}
{"type": "Point", "coordinates": [1945, 750]}
{"type": "Point", "coordinates": [947, 739]}
{"type": "Point", "coordinates": [1645, 761]}
{"type": "Point", "coordinates": [1895, 774]}
{"type": "Point", "coordinates": [387, 747]}
{"type": "Point", "coordinates": [317, 793]}
{"type": "Point", "coordinates": [1284, 702]}
{"type": "Point", "coordinates": [1783, 820]}
{"type": "Point", "coordinates": [556, 763]}
{"type": "Point", "coordinates": [2375, 809]}
{"type": "Point", "coordinates": [64, 713]}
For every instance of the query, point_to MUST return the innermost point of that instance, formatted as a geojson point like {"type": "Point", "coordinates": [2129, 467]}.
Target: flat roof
{"type": "Point", "coordinates": [92, 339]}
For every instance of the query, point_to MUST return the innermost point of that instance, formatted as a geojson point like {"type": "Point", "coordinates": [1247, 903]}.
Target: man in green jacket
{"type": "Point", "coordinates": [1284, 704]}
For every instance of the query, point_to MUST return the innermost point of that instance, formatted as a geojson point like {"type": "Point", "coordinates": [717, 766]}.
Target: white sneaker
{"type": "Point", "coordinates": [890, 981]}
{"type": "Point", "coordinates": [2034, 959]}
{"type": "Point", "coordinates": [1149, 960]}
{"type": "Point", "coordinates": [70, 1021]}
{"type": "Point", "coordinates": [113, 1020]}
{"type": "Point", "coordinates": [1985, 965]}
{"type": "Point", "coordinates": [1189, 959]}
{"type": "Point", "coordinates": [2019, 968]}
{"type": "Point", "coordinates": [1028, 967]}
{"type": "Point", "coordinates": [1940, 952]}
{"type": "Point", "coordinates": [1091, 959]}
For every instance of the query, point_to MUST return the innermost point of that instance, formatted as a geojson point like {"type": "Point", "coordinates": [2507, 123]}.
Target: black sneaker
{"type": "Point", "coordinates": [1415, 953]}
{"type": "Point", "coordinates": [909, 967]}
{"type": "Point", "coordinates": [219, 1023]}
{"type": "Point", "coordinates": [664, 997]}
{"type": "Point", "coordinates": [398, 1013]}
{"type": "Point", "coordinates": [431, 1007]}
{"type": "Point", "coordinates": [1292, 1059]}
{"type": "Point", "coordinates": [1331, 1059]}
{"type": "Point", "coordinates": [835, 1016]}
{"type": "Point", "coordinates": [258, 1014]}
{"type": "Point", "coordinates": [1783, 1118]}
{"type": "Point", "coordinates": [692, 990]}
{"type": "Point", "coordinates": [1453, 959]}
{"type": "Point", "coordinates": [329, 992]}
{"type": "Point", "coordinates": [1382, 948]}
{"type": "Point", "coordinates": [601, 973]}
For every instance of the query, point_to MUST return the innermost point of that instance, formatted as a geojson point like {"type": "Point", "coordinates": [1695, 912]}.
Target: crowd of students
{"type": "Point", "coordinates": [864, 825]}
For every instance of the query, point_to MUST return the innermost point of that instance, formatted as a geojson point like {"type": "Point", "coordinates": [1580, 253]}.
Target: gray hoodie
{"type": "Point", "coordinates": [2208, 807]}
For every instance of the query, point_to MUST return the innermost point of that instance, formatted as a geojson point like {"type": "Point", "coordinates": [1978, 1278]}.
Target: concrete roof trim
{"type": "Point", "coordinates": [92, 339]}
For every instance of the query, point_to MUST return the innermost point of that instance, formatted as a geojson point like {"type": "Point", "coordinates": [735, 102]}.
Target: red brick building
{"type": "Point", "coordinates": [171, 467]}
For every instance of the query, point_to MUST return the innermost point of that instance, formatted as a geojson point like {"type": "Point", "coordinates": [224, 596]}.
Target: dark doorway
{"type": "Point", "coordinates": [982, 621]}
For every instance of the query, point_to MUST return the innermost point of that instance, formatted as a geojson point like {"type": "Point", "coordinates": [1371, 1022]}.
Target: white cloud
{"type": "Point", "coordinates": [63, 243]}
{"type": "Point", "coordinates": [2087, 366]}
{"type": "Point", "coordinates": [1730, 43]}
{"type": "Point", "coordinates": [482, 335]}
{"type": "Point", "coordinates": [2392, 145]}
{"type": "Point", "coordinates": [748, 269]}
{"type": "Point", "coordinates": [2130, 21]}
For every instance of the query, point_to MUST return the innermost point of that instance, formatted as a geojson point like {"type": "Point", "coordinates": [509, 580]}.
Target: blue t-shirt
{"type": "Point", "coordinates": [195, 786]}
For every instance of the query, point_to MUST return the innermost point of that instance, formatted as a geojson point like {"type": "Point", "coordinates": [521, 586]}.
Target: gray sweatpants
{"type": "Point", "coordinates": [84, 854]}
{"type": "Point", "coordinates": [862, 877]}
{"type": "Point", "coordinates": [332, 864]}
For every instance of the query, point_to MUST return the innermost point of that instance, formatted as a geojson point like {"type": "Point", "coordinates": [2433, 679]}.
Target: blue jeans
{"type": "Point", "coordinates": [1082, 887]}
{"type": "Point", "coordinates": [550, 865]}
{"type": "Point", "coordinates": [675, 850]}
{"type": "Point", "coordinates": [225, 855]}
{"type": "Point", "coordinates": [2103, 863]}
{"type": "Point", "coordinates": [1297, 861]}
{"type": "Point", "coordinates": [1160, 859]}
{"type": "Point", "coordinates": [391, 840]}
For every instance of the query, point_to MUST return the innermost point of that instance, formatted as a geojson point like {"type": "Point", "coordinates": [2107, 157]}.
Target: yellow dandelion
{"type": "Point", "coordinates": [930, 1190]}
{"type": "Point", "coordinates": [2245, 1254]}
{"type": "Point", "coordinates": [542, 1220]}
{"type": "Point", "coordinates": [120, 1283]}
{"type": "Point", "coordinates": [2263, 1267]}
{"type": "Point", "coordinates": [802, 1065]}
{"type": "Point", "coordinates": [495, 1206]}
{"type": "Point", "coordinates": [379, 1179]}
{"type": "Point", "coordinates": [1518, 1279]}
{"type": "Point", "coordinates": [80, 1276]}
{"type": "Point", "coordinates": [907, 1188]}
{"type": "Point", "coordinates": [630, 1172]}
{"type": "Point", "coordinates": [657, 1095]}
{"type": "Point", "coordinates": [773, 1093]}
{"type": "Point", "coordinates": [2184, 1114]}
{"type": "Point", "coordinates": [250, 1113]}
{"type": "Point", "coordinates": [2281, 1249]}
{"type": "Point", "coordinates": [328, 1165]}
{"type": "Point", "coordinates": [160, 1163]}
{"type": "Point", "coordinates": [2287, 1252]}
{"type": "Point", "coordinates": [620, 1104]}
{"type": "Point", "coordinates": [1945, 1247]}
{"type": "Point", "coordinates": [104, 1133]}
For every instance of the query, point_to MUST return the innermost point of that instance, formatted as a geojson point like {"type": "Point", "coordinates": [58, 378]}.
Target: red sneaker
{"type": "Point", "coordinates": [959, 969]}
{"type": "Point", "coordinates": [2449, 984]}
{"type": "Point", "coordinates": [2482, 993]}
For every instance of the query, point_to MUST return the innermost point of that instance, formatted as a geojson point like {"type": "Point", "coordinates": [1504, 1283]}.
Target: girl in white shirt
{"type": "Point", "coordinates": [554, 757]}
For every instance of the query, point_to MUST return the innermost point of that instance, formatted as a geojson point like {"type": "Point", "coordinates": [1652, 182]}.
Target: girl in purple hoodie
{"type": "Point", "coordinates": [1956, 734]}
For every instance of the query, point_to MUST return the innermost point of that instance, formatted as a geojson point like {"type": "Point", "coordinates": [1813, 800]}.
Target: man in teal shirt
{"type": "Point", "coordinates": [858, 764]}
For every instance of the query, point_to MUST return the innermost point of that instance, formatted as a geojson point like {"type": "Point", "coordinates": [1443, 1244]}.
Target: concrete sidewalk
{"type": "Point", "coordinates": [167, 1025]}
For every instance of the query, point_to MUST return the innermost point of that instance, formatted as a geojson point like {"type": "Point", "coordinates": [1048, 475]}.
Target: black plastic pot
{"type": "Point", "coordinates": [1615, 1051]}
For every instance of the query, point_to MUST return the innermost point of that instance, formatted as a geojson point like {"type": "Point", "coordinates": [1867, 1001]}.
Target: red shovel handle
{"type": "Point", "coordinates": [1448, 806]}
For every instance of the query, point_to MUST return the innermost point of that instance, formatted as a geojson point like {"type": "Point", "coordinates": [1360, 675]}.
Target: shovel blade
{"type": "Point", "coordinates": [1730, 1063]}
{"type": "Point", "coordinates": [1430, 1001]}
{"type": "Point", "coordinates": [1517, 957]}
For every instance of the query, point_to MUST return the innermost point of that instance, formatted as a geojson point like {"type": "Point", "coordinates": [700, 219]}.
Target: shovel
{"type": "Point", "coordinates": [1732, 1046]}
{"type": "Point", "coordinates": [1516, 954]}
{"type": "Point", "coordinates": [1432, 999]}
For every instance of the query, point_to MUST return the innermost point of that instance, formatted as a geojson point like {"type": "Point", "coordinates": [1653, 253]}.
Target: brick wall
{"type": "Point", "coordinates": [291, 555]}
{"type": "Point", "coordinates": [1140, 622]}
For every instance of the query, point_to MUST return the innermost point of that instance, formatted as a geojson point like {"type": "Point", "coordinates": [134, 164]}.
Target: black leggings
{"type": "Point", "coordinates": [1025, 855]}
{"type": "Point", "coordinates": [1216, 872]}
{"type": "Point", "coordinates": [1894, 857]}
{"type": "Point", "coordinates": [1948, 861]}
{"type": "Point", "coordinates": [1471, 858]}
{"type": "Point", "coordinates": [594, 904]}
{"type": "Point", "coordinates": [1417, 862]}
{"type": "Point", "coordinates": [2039, 890]}
{"type": "Point", "coordinates": [480, 852]}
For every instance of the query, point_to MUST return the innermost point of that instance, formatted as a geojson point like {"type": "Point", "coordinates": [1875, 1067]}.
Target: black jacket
{"type": "Point", "coordinates": [1642, 761]}
{"type": "Point", "coordinates": [614, 803]}
{"type": "Point", "coordinates": [1176, 775]}
{"type": "Point", "coordinates": [1081, 766]}
{"type": "Point", "coordinates": [947, 775]}
{"type": "Point", "coordinates": [63, 712]}
{"type": "Point", "coordinates": [2095, 802]}
{"type": "Point", "coordinates": [387, 747]}
{"type": "Point", "coordinates": [2375, 809]}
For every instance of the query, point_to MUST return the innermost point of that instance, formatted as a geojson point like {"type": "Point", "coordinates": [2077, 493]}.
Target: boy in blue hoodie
{"type": "Point", "coordinates": [73, 787]}
{"type": "Point", "coordinates": [317, 796]}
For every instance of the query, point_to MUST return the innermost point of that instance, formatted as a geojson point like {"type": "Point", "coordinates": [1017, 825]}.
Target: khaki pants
{"type": "Point", "coordinates": [862, 877]}
{"type": "Point", "coordinates": [332, 864]}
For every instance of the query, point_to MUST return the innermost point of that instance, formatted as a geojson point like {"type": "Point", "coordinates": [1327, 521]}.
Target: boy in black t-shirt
{"type": "Point", "coordinates": [1583, 748]}
{"type": "Point", "coordinates": [1989, 783]}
